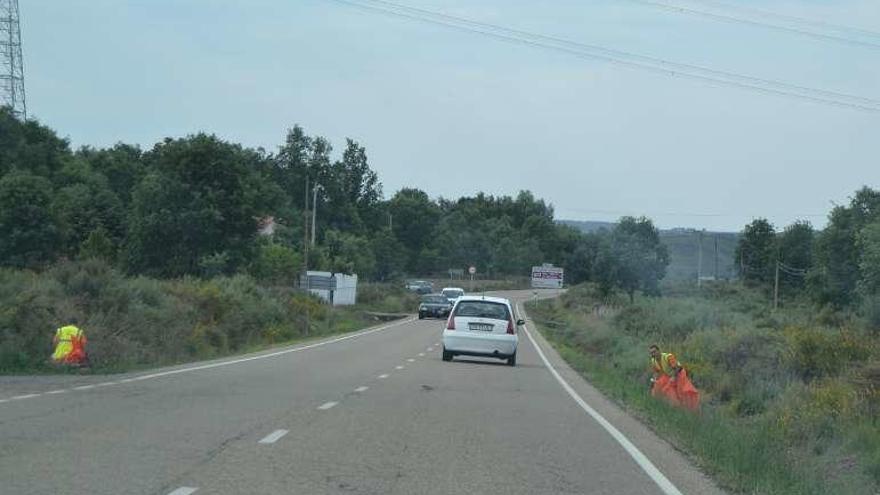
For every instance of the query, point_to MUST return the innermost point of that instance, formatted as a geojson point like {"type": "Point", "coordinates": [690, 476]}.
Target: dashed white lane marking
{"type": "Point", "coordinates": [327, 405]}
{"type": "Point", "coordinates": [398, 367]}
{"type": "Point", "coordinates": [641, 459]}
{"type": "Point", "coordinates": [383, 376]}
{"type": "Point", "coordinates": [429, 349]}
{"type": "Point", "coordinates": [362, 388]}
{"type": "Point", "coordinates": [410, 360]}
{"type": "Point", "coordinates": [25, 396]}
{"type": "Point", "coordinates": [274, 436]}
{"type": "Point", "coordinates": [421, 354]}
{"type": "Point", "coordinates": [59, 391]}
{"type": "Point", "coordinates": [184, 490]}
{"type": "Point", "coordinates": [234, 361]}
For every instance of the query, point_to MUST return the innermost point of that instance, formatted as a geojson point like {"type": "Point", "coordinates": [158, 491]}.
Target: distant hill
{"type": "Point", "coordinates": [588, 226]}
{"type": "Point", "coordinates": [683, 245]}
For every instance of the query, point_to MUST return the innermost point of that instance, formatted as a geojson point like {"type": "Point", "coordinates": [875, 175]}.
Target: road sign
{"type": "Point", "coordinates": [547, 277]}
{"type": "Point", "coordinates": [472, 270]}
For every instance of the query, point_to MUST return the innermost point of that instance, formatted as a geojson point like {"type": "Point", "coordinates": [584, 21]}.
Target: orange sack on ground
{"type": "Point", "coordinates": [679, 392]}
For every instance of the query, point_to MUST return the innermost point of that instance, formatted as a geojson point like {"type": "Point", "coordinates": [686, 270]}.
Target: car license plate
{"type": "Point", "coordinates": [483, 327]}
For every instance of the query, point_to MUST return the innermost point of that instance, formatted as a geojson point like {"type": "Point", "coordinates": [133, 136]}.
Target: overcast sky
{"type": "Point", "coordinates": [454, 113]}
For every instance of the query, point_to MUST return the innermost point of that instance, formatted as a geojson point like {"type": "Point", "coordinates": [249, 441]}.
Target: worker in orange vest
{"type": "Point", "coordinates": [70, 345]}
{"type": "Point", "coordinates": [670, 380]}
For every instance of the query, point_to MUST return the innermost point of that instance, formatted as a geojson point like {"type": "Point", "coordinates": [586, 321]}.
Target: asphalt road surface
{"type": "Point", "coordinates": [374, 412]}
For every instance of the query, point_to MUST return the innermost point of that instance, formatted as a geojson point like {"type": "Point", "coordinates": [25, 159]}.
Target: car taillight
{"type": "Point", "coordinates": [450, 323]}
{"type": "Point", "coordinates": [510, 327]}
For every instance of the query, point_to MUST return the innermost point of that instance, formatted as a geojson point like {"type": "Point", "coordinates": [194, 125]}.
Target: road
{"type": "Point", "coordinates": [374, 412]}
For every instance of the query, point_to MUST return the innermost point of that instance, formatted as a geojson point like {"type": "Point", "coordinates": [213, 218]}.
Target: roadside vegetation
{"type": "Point", "coordinates": [135, 322]}
{"type": "Point", "coordinates": [787, 358]}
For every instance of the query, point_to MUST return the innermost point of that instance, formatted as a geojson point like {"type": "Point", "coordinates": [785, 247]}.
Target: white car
{"type": "Point", "coordinates": [452, 293]}
{"type": "Point", "coordinates": [481, 326]}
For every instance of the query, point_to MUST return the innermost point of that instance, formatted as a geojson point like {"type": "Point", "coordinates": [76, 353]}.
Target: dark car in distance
{"type": "Point", "coordinates": [434, 305]}
{"type": "Point", "coordinates": [422, 287]}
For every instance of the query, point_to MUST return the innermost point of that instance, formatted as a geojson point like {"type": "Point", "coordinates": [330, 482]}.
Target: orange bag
{"type": "Point", "coordinates": [688, 395]}
{"type": "Point", "coordinates": [77, 354]}
{"type": "Point", "coordinates": [680, 393]}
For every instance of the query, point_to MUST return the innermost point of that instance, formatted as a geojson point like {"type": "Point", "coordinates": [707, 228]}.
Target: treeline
{"type": "Point", "coordinates": [195, 206]}
{"type": "Point", "coordinates": [838, 266]}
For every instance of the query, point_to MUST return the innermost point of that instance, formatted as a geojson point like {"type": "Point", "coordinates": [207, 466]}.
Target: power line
{"type": "Point", "coordinates": [741, 20]}
{"type": "Point", "coordinates": [618, 57]}
{"type": "Point", "coordinates": [795, 19]}
{"type": "Point", "coordinates": [629, 55]}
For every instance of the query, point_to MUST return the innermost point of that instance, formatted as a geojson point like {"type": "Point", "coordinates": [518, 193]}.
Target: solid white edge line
{"type": "Point", "coordinates": [274, 436]}
{"type": "Point", "coordinates": [641, 459]}
{"type": "Point", "coordinates": [273, 354]}
{"type": "Point", "coordinates": [25, 396]}
{"type": "Point", "coordinates": [184, 490]}
{"type": "Point", "coordinates": [327, 405]}
{"type": "Point", "coordinates": [59, 391]}
{"type": "Point", "coordinates": [226, 363]}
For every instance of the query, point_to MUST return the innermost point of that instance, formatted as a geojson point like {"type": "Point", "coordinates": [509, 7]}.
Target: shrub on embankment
{"type": "Point", "coordinates": [790, 398]}
{"type": "Point", "coordinates": [134, 322]}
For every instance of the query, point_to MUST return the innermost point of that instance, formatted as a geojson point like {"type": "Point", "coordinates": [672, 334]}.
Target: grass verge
{"type": "Point", "coordinates": [788, 404]}
{"type": "Point", "coordinates": [135, 323]}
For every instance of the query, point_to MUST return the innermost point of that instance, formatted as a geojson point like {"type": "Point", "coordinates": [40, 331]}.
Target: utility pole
{"type": "Point", "coordinates": [700, 260]}
{"type": "Point", "coordinates": [716, 257]}
{"type": "Point", "coordinates": [776, 288]}
{"type": "Point", "coordinates": [306, 253]}
{"type": "Point", "coordinates": [314, 211]}
{"type": "Point", "coordinates": [11, 65]}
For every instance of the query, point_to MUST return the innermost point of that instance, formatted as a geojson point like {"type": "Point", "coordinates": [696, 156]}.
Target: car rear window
{"type": "Point", "coordinates": [482, 309]}
{"type": "Point", "coordinates": [453, 293]}
{"type": "Point", "coordinates": [435, 300]}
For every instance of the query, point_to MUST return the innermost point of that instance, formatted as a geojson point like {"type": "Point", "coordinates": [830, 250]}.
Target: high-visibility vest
{"type": "Point", "coordinates": [65, 336]}
{"type": "Point", "coordinates": [666, 364]}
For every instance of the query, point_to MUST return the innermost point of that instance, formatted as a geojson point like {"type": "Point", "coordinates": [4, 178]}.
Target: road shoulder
{"type": "Point", "coordinates": [680, 470]}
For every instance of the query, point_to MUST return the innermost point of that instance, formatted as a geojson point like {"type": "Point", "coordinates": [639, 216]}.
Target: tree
{"type": "Point", "coordinates": [582, 262]}
{"type": "Point", "coordinates": [276, 263]}
{"type": "Point", "coordinates": [349, 253]}
{"type": "Point", "coordinates": [868, 243]}
{"type": "Point", "coordinates": [756, 251]}
{"type": "Point", "coordinates": [28, 232]}
{"type": "Point", "coordinates": [122, 165]}
{"type": "Point", "coordinates": [837, 259]}
{"type": "Point", "coordinates": [29, 146]}
{"type": "Point", "coordinates": [795, 250]}
{"type": "Point", "coordinates": [204, 197]}
{"type": "Point", "coordinates": [640, 256]}
{"type": "Point", "coordinates": [99, 245]}
{"type": "Point", "coordinates": [414, 220]}
{"type": "Point", "coordinates": [85, 203]}
{"type": "Point", "coordinates": [387, 249]}
{"type": "Point", "coordinates": [349, 190]}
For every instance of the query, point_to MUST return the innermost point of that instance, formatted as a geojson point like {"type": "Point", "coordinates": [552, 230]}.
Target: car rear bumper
{"type": "Point", "coordinates": [479, 344]}
{"type": "Point", "coordinates": [434, 312]}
